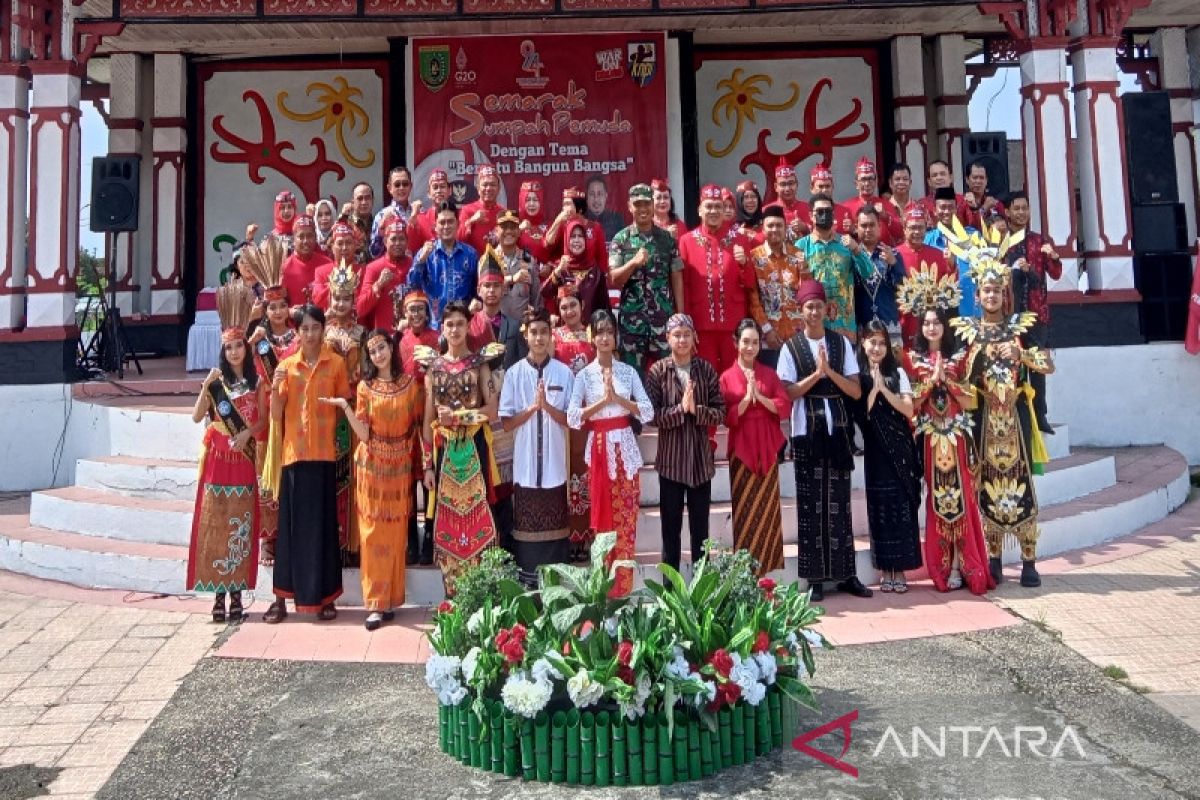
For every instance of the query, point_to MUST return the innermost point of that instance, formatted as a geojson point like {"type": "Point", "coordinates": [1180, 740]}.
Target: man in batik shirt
{"type": "Point", "coordinates": [644, 263]}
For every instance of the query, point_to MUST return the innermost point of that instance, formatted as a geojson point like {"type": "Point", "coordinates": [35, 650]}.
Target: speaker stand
{"type": "Point", "coordinates": [114, 345]}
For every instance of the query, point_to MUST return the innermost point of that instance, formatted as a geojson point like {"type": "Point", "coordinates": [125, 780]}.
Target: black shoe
{"type": "Point", "coordinates": [855, 587]}
{"type": "Point", "coordinates": [389, 615]}
{"type": "Point", "coordinates": [1044, 426]}
{"type": "Point", "coordinates": [372, 624]}
{"type": "Point", "coordinates": [235, 606]}
{"type": "Point", "coordinates": [218, 609]}
{"type": "Point", "coordinates": [412, 552]}
{"type": "Point", "coordinates": [1029, 575]}
{"type": "Point", "coordinates": [818, 593]}
{"type": "Point", "coordinates": [997, 570]}
{"type": "Point", "coordinates": [426, 557]}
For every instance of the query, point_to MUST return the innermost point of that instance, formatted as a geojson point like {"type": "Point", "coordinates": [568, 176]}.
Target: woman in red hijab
{"type": "Point", "coordinates": [578, 267]}
{"type": "Point", "coordinates": [531, 206]}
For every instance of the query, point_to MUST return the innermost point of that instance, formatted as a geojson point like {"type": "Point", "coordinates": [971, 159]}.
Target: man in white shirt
{"type": "Point", "coordinates": [533, 406]}
{"type": "Point", "coordinates": [819, 370]}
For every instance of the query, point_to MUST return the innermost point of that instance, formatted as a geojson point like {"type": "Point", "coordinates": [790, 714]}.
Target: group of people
{"type": "Point", "coordinates": [474, 356]}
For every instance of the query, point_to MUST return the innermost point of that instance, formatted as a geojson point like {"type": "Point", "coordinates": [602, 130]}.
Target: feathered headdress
{"type": "Point", "coordinates": [983, 250]}
{"type": "Point", "coordinates": [234, 301]}
{"type": "Point", "coordinates": [924, 290]}
{"type": "Point", "coordinates": [343, 279]}
{"type": "Point", "coordinates": [265, 262]}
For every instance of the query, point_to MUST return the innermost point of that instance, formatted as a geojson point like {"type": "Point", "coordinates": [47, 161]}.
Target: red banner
{"type": "Point", "coordinates": [556, 108]}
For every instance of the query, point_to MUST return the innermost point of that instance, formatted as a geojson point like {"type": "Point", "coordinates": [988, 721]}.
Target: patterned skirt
{"type": "Point", "coordinates": [540, 529]}
{"type": "Point", "coordinates": [824, 530]}
{"type": "Point", "coordinates": [757, 521]}
{"type": "Point", "coordinates": [223, 552]}
{"type": "Point", "coordinates": [579, 498]}
{"type": "Point", "coordinates": [463, 526]}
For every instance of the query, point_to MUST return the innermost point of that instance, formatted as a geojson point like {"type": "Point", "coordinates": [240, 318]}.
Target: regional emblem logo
{"type": "Point", "coordinates": [643, 62]}
{"type": "Point", "coordinates": [433, 63]}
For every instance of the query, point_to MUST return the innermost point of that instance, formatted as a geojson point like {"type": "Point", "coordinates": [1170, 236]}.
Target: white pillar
{"type": "Point", "coordinates": [950, 82]}
{"type": "Point", "coordinates": [1171, 46]}
{"type": "Point", "coordinates": [908, 104]}
{"type": "Point", "coordinates": [1104, 222]}
{"type": "Point", "coordinates": [125, 127]}
{"type": "Point", "coordinates": [1046, 131]}
{"type": "Point", "coordinates": [1193, 49]}
{"type": "Point", "coordinates": [53, 195]}
{"type": "Point", "coordinates": [170, 146]}
{"type": "Point", "coordinates": [14, 178]}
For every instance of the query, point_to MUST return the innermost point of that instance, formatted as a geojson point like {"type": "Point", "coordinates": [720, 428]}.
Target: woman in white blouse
{"type": "Point", "coordinates": [604, 397]}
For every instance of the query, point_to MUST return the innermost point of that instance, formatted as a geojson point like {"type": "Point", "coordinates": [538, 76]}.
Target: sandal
{"type": "Point", "coordinates": [218, 609]}
{"type": "Point", "coordinates": [235, 606]}
{"type": "Point", "coordinates": [955, 581]}
{"type": "Point", "coordinates": [266, 552]}
{"type": "Point", "coordinates": [887, 585]}
{"type": "Point", "coordinates": [327, 613]}
{"type": "Point", "coordinates": [276, 613]}
{"type": "Point", "coordinates": [900, 586]}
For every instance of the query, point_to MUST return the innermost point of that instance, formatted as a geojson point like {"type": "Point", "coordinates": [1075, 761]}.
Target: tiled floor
{"type": "Point", "coordinates": [80, 681]}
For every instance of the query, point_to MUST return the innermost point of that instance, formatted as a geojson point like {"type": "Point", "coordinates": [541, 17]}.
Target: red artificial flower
{"type": "Point", "coordinates": [762, 642]}
{"type": "Point", "coordinates": [721, 661]}
{"type": "Point", "coordinates": [445, 607]}
{"type": "Point", "coordinates": [768, 587]}
{"type": "Point", "coordinates": [729, 693]}
{"type": "Point", "coordinates": [625, 653]}
{"type": "Point", "coordinates": [781, 652]}
{"type": "Point", "coordinates": [518, 632]}
{"type": "Point", "coordinates": [586, 628]}
{"type": "Point", "coordinates": [501, 638]}
{"type": "Point", "coordinates": [566, 648]}
{"type": "Point", "coordinates": [626, 674]}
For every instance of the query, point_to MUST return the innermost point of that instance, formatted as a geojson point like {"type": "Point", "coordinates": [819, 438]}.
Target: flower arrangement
{"type": "Point", "coordinates": [617, 690]}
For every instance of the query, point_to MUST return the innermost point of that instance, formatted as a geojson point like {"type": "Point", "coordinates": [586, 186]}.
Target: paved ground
{"type": "Point", "coordinates": [260, 729]}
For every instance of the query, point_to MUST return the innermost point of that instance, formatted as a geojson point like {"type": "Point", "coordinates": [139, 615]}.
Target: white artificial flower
{"type": "Point", "coordinates": [451, 693]}
{"type": "Point", "coordinates": [679, 666]}
{"type": "Point", "coordinates": [792, 642]}
{"type": "Point", "coordinates": [707, 696]}
{"type": "Point", "coordinates": [543, 670]}
{"type": "Point", "coordinates": [439, 667]}
{"type": "Point", "coordinates": [754, 693]}
{"type": "Point", "coordinates": [610, 626]}
{"type": "Point", "coordinates": [583, 691]}
{"type": "Point", "coordinates": [474, 622]}
{"type": "Point", "coordinates": [744, 673]}
{"type": "Point", "coordinates": [469, 662]}
{"type": "Point", "coordinates": [766, 667]}
{"type": "Point", "coordinates": [813, 637]}
{"type": "Point", "coordinates": [523, 696]}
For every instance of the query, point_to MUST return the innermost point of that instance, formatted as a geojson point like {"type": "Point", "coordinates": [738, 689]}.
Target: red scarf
{"type": "Point", "coordinates": [601, 484]}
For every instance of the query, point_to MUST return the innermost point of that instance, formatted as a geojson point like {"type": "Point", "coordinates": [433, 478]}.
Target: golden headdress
{"type": "Point", "coordinates": [265, 262]}
{"type": "Point", "coordinates": [924, 290]}
{"type": "Point", "coordinates": [343, 279]}
{"type": "Point", "coordinates": [234, 301]}
{"type": "Point", "coordinates": [983, 250]}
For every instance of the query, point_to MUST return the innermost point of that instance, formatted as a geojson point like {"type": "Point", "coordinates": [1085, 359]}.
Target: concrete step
{"type": "Point", "coordinates": [95, 512]}
{"type": "Point", "coordinates": [139, 477]}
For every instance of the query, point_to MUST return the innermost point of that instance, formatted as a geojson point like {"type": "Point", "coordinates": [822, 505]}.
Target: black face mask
{"type": "Point", "coordinates": [823, 217]}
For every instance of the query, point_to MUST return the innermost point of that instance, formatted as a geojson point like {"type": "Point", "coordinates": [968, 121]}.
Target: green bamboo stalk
{"type": "Point", "coordinates": [666, 762]}
{"type": "Point", "coordinates": [443, 724]}
{"type": "Point", "coordinates": [750, 733]}
{"type": "Point", "coordinates": [725, 727]}
{"type": "Point", "coordinates": [496, 738]}
{"type": "Point", "coordinates": [573, 746]}
{"type": "Point", "coordinates": [708, 761]}
{"type": "Point", "coordinates": [738, 725]}
{"type": "Point", "coordinates": [474, 725]}
{"type": "Point", "coordinates": [512, 749]}
{"type": "Point", "coordinates": [603, 749]}
{"type": "Point", "coordinates": [558, 747]}
{"type": "Point", "coordinates": [634, 735]}
{"type": "Point", "coordinates": [680, 745]}
{"type": "Point", "coordinates": [620, 776]}
{"type": "Point", "coordinates": [465, 715]}
{"type": "Point", "coordinates": [528, 762]}
{"type": "Point", "coordinates": [776, 717]}
{"type": "Point", "coordinates": [762, 716]}
{"type": "Point", "coordinates": [587, 749]}
{"type": "Point", "coordinates": [650, 750]}
{"type": "Point", "coordinates": [541, 745]}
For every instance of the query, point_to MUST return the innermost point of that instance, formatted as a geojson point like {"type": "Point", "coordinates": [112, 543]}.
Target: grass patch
{"type": "Point", "coordinates": [1115, 672]}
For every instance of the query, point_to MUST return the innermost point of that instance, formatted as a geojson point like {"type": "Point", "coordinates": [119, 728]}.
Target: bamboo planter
{"type": "Point", "coordinates": [602, 748]}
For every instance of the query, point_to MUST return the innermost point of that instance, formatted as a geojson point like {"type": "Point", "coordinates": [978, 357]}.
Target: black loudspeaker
{"type": "Point", "coordinates": [992, 150]}
{"type": "Point", "coordinates": [1149, 149]}
{"type": "Point", "coordinates": [1165, 282]}
{"type": "Point", "coordinates": [115, 193]}
{"type": "Point", "coordinates": [1159, 228]}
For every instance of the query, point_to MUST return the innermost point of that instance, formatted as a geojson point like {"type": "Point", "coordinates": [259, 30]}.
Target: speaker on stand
{"type": "Point", "coordinates": [115, 195]}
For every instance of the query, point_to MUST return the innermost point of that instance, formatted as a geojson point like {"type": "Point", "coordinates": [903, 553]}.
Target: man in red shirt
{"type": "Point", "coordinates": [343, 242]}
{"type": "Point", "coordinates": [938, 176]}
{"type": "Point", "coordinates": [300, 267]}
{"type": "Point", "coordinates": [866, 182]}
{"type": "Point", "coordinates": [713, 288]}
{"type": "Point", "coordinates": [915, 253]}
{"type": "Point", "coordinates": [420, 226]}
{"type": "Point", "coordinates": [977, 200]}
{"type": "Point", "coordinates": [820, 181]}
{"type": "Point", "coordinates": [795, 211]}
{"type": "Point", "coordinates": [477, 220]}
{"type": "Point", "coordinates": [374, 302]}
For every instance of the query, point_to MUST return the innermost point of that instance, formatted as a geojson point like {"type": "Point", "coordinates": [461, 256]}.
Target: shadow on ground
{"type": "Point", "coordinates": [937, 718]}
{"type": "Point", "coordinates": [25, 780]}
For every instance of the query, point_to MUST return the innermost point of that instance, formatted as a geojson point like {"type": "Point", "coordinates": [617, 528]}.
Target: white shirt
{"type": "Point", "coordinates": [589, 388]}
{"type": "Point", "coordinates": [540, 444]}
{"type": "Point", "coordinates": [788, 374]}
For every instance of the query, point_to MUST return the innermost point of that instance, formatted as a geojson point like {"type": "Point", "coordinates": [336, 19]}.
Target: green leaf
{"type": "Point", "coordinates": [573, 578]}
{"type": "Point", "coordinates": [510, 589]}
{"type": "Point", "coordinates": [555, 594]}
{"type": "Point", "coordinates": [601, 546]}
{"type": "Point", "coordinates": [672, 575]}
{"type": "Point", "coordinates": [565, 618]}
{"type": "Point", "coordinates": [559, 663]}
{"type": "Point", "coordinates": [797, 690]}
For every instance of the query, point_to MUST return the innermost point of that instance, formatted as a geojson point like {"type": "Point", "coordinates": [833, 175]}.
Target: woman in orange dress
{"type": "Point", "coordinates": [386, 420]}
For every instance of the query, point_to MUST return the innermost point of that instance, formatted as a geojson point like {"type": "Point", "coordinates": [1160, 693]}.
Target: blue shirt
{"type": "Point", "coordinates": [834, 266]}
{"type": "Point", "coordinates": [876, 296]}
{"type": "Point", "coordinates": [969, 307]}
{"type": "Point", "coordinates": [445, 276]}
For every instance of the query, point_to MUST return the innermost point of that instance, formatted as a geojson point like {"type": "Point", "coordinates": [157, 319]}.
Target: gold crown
{"type": "Point", "coordinates": [983, 250]}
{"type": "Point", "coordinates": [343, 279]}
{"type": "Point", "coordinates": [924, 290]}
